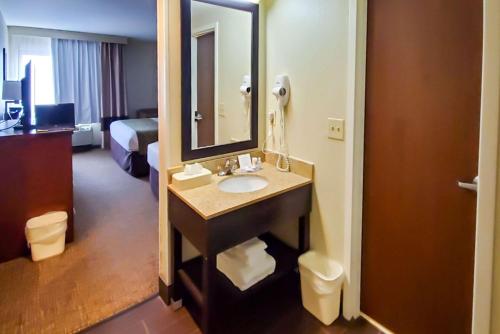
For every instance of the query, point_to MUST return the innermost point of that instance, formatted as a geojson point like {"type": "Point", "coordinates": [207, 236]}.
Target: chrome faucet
{"type": "Point", "coordinates": [230, 166]}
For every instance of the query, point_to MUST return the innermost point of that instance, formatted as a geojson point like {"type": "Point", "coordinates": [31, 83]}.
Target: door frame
{"type": "Point", "coordinates": [488, 156]}
{"type": "Point", "coordinates": [198, 32]}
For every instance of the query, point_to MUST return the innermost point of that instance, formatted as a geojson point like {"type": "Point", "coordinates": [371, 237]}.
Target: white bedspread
{"type": "Point", "coordinates": [125, 135]}
{"type": "Point", "coordinates": [154, 156]}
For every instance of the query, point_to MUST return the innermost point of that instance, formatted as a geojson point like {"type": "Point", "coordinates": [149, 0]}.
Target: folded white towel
{"type": "Point", "coordinates": [242, 275]}
{"type": "Point", "coordinates": [249, 247]}
{"type": "Point", "coordinates": [244, 287]}
{"type": "Point", "coordinates": [255, 258]}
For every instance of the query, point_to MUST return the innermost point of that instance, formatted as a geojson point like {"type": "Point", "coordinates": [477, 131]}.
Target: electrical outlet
{"type": "Point", "coordinates": [336, 128]}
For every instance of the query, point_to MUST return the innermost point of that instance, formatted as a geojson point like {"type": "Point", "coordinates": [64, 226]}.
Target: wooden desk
{"type": "Point", "coordinates": [36, 176]}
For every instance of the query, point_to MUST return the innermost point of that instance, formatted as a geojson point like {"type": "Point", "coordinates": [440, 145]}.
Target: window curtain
{"type": "Point", "coordinates": [21, 48]}
{"type": "Point", "coordinates": [77, 77]}
{"type": "Point", "coordinates": [114, 91]}
{"type": "Point", "coordinates": [37, 50]}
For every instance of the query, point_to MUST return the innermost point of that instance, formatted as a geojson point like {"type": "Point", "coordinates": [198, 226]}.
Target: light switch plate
{"type": "Point", "coordinates": [336, 128]}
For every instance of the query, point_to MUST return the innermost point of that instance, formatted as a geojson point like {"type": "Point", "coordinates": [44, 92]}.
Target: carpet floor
{"type": "Point", "coordinates": [111, 265]}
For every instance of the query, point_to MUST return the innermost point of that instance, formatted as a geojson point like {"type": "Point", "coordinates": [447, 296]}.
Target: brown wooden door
{"type": "Point", "coordinates": [206, 89]}
{"type": "Point", "coordinates": [422, 136]}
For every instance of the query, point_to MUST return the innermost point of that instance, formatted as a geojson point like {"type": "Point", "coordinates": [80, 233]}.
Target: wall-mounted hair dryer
{"type": "Point", "coordinates": [246, 93]}
{"type": "Point", "coordinates": [281, 90]}
{"type": "Point", "coordinates": [246, 86]}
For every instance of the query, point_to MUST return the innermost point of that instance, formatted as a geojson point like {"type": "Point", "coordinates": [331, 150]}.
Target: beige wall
{"type": "Point", "coordinates": [489, 199]}
{"type": "Point", "coordinates": [495, 307]}
{"type": "Point", "coordinates": [141, 75]}
{"type": "Point", "coordinates": [235, 32]}
{"type": "Point", "coordinates": [317, 67]}
{"type": "Point", "coordinates": [308, 41]}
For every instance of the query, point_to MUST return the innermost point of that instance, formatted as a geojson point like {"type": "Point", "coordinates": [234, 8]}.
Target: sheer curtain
{"type": "Point", "coordinates": [23, 49]}
{"type": "Point", "coordinates": [77, 77]}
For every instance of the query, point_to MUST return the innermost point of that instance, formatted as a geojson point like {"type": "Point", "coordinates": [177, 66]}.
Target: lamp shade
{"type": "Point", "coordinates": [11, 90]}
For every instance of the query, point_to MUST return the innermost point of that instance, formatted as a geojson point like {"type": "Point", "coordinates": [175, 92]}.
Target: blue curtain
{"type": "Point", "coordinates": [77, 77]}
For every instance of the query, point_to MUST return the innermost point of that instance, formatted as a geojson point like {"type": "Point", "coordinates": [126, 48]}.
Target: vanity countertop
{"type": "Point", "coordinates": [209, 202]}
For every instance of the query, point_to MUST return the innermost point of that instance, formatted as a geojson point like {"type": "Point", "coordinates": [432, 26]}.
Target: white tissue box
{"type": "Point", "coordinates": [184, 182]}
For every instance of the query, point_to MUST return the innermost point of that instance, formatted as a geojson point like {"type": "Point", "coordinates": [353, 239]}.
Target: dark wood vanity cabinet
{"type": "Point", "coordinates": [205, 291]}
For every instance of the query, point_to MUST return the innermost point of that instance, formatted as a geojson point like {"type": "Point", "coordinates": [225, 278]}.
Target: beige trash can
{"type": "Point", "coordinates": [321, 282]}
{"type": "Point", "coordinates": [46, 234]}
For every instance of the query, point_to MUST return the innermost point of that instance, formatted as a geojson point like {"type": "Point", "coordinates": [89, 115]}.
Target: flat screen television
{"type": "Point", "coordinates": [28, 97]}
{"type": "Point", "coordinates": [55, 116]}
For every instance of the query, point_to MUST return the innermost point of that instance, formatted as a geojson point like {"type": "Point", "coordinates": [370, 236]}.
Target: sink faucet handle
{"type": "Point", "coordinates": [229, 167]}
{"type": "Point", "coordinates": [234, 165]}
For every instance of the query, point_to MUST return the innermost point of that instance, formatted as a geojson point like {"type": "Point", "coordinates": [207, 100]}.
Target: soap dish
{"type": "Point", "coordinates": [183, 181]}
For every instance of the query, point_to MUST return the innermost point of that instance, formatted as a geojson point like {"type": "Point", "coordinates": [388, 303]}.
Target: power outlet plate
{"type": "Point", "coordinates": [336, 128]}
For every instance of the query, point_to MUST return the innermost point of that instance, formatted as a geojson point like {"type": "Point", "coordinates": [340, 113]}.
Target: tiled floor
{"type": "Point", "coordinates": [276, 312]}
{"type": "Point", "coordinates": [150, 317]}
{"type": "Point", "coordinates": [154, 317]}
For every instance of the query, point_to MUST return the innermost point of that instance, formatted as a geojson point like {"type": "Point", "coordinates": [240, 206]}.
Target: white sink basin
{"type": "Point", "coordinates": [243, 184]}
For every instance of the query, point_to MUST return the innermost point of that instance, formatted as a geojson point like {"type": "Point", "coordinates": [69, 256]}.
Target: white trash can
{"type": "Point", "coordinates": [46, 234]}
{"type": "Point", "coordinates": [321, 282]}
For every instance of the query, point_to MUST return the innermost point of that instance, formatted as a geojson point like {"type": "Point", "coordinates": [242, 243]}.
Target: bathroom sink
{"type": "Point", "coordinates": [243, 184]}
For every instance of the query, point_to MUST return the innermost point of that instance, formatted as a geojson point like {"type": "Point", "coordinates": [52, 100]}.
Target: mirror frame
{"type": "Point", "coordinates": [187, 152]}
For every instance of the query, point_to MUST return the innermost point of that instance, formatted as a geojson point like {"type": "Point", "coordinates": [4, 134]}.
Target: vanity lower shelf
{"type": "Point", "coordinates": [229, 299]}
{"type": "Point", "coordinates": [191, 274]}
{"type": "Point", "coordinates": [207, 293]}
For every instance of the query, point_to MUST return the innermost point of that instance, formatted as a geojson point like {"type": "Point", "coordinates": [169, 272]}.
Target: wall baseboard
{"type": "Point", "coordinates": [165, 291]}
{"type": "Point", "coordinates": [85, 148]}
{"type": "Point", "coordinates": [376, 324]}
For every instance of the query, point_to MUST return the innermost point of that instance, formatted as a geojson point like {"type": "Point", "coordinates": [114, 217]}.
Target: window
{"type": "Point", "coordinates": [63, 71]}
{"type": "Point", "coordinates": [22, 50]}
{"type": "Point", "coordinates": [43, 77]}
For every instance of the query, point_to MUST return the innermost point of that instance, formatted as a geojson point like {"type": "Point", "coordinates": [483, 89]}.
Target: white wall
{"type": "Point", "coordinates": [3, 44]}
{"type": "Point", "coordinates": [308, 41]}
{"type": "Point", "coordinates": [140, 60]}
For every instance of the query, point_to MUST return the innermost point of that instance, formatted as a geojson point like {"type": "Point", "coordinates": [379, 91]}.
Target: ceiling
{"type": "Point", "coordinates": [127, 18]}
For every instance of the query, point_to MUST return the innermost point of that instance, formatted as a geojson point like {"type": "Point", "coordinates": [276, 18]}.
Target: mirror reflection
{"type": "Point", "coordinates": [221, 45]}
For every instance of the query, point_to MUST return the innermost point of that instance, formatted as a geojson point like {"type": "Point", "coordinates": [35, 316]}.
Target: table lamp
{"type": "Point", "coordinates": [11, 93]}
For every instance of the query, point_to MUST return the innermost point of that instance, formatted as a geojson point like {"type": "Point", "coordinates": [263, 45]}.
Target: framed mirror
{"type": "Point", "coordinates": [220, 51]}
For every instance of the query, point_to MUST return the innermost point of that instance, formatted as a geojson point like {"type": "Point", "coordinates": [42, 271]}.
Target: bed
{"type": "Point", "coordinates": [154, 163]}
{"type": "Point", "coordinates": [129, 143]}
